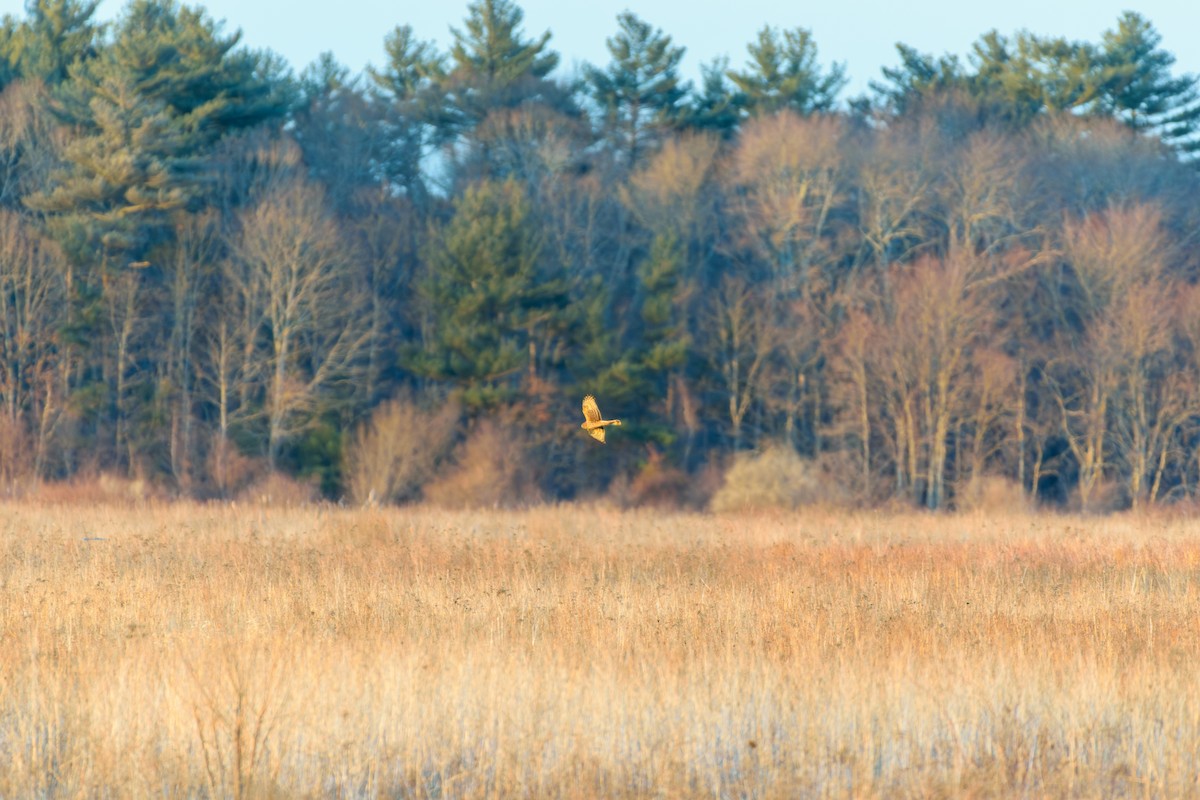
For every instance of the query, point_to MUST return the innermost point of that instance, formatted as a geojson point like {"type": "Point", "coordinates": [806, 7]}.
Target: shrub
{"type": "Point", "coordinates": [229, 470]}
{"type": "Point", "coordinates": [1106, 497]}
{"type": "Point", "coordinates": [658, 484]}
{"type": "Point", "coordinates": [105, 488]}
{"type": "Point", "coordinates": [492, 469]}
{"type": "Point", "coordinates": [398, 450]}
{"type": "Point", "coordinates": [278, 490]}
{"type": "Point", "coordinates": [993, 494]}
{"type": "Point", "coordinates": [15, 464]}
{"type": "Point", "coordinates": [774, 477]}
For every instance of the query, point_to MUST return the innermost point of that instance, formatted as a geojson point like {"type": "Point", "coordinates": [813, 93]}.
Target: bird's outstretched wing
{"type": "Point", "coordinates": [597, 434]}
{"type": "Point", "coordinates": [591, 412]}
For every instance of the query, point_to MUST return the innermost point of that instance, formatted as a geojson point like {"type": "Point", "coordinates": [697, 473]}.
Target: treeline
{"type": "Point", "coordinates": [399, 284]}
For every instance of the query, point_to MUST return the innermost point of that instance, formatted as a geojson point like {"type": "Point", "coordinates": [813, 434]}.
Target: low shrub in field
{"type": "Point", "coordinates": [492, 469]}
{"type": "Point", "coordinates": [1105, 497]}
{"type": "Point", "coordinates": [655, 483]}
{"type": "Point", "coordinates": [106, 487]}
{"type": "Point", "coordinates": [992, 493]}
{"type": "Point", "coordinates": [277, 489]}
{"type": "Point", "coordinates": [15, 463]}
{"type": "Point", "coordinates": [658, 485]}
{"type": "Point", "coordinates": [774, 477]}
{"type": "Point", "coordinates": [398, 450]}
{"type": "Point", "coordinates": [230, 470]}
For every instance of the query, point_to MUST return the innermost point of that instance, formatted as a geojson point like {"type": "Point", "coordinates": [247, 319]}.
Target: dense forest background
{"type": "Point", "coordinates": [399, 284]}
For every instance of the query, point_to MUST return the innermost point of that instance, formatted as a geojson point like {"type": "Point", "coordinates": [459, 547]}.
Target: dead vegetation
{"type": "Point", "coordinates": [251, 651]}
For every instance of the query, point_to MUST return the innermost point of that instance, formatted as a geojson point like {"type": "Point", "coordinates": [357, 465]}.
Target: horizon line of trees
{"type": "Point", "coordinates": [399, 284]}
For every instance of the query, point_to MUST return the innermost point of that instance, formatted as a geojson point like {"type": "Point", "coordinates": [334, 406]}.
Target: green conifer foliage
{"type": "Point", "coordinates": [783, 73]}
{"type": "Point", "coordinates": [411, 84]}
{"type": "Point", "coordinates": [1141, 91]}
{"type": "Point", "coordinates": [497, 310]}
{"type": "Point", "coordinates": [640, 93]}
{"type": "Point", "coordinates": [918, 77]}
{"type": "Point", "coordinates": [55, 35]}
{"type": "Point", "coordinates": [714, 106]}
{"type": "Point", "coordinates": [493, 66]}
{"type": "Point", "coordinates": [665, 329]}
{"type": "Point", "coordinates": [145, 110]}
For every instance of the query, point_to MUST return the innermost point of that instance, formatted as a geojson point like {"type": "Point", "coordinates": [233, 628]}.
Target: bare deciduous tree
{"type": "Point", "coordinates": [743, 344]}
{"type": "Point", "coordinates": [980, 197]}
{"type": "Point", "coordinates": [668, 194]}
{"type": "Point", "coordinates": [290, 269]}
{"type": "Point", "coordinates": [32, 300]}
{"type": "Point", "coordinates": [1108, 255]}
{"type": "Point", "coordinates": [853, 390]}
{"type": "Point", "coordinates": [895, 191]}
{"type": "Point", "coordinates": [992, 380]}
{"type": "Point", "coordinates": [1153, 398]}
{"type": "Point", "coordinates": [936, 316]}
{"type": "Point", "coordinates": [187, 275]}
{"type": "Point", "coordinates": [785, 178]}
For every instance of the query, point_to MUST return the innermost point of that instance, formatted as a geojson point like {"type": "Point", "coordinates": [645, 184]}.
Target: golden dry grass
{"type": "Point", "coordinates": [189, 650]}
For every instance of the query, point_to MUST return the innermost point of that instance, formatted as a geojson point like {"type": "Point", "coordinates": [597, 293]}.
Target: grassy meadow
{"type": "Point", "coordinates": [214, 651]}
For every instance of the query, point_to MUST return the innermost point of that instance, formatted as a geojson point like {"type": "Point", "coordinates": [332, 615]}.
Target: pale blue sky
{"type": "Point", "coordinates": [862, 34]}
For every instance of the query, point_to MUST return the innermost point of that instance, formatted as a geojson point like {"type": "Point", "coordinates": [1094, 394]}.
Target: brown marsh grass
{"type": "Point", "coordinates": [210, 651]}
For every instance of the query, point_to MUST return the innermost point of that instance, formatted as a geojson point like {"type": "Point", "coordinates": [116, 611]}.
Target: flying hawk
{"type": "Point", "coordinates": [592, 423]}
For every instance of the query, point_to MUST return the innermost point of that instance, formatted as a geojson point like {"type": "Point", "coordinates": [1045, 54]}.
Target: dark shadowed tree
{"type": "Point", "coordinates": [345, 137]}
{"type": "Point", "coordinates": [410, 83]}
{"type": "Point", "coordinates": [917, 79]}
{"type": "Point", "coordinates": [714, 107]}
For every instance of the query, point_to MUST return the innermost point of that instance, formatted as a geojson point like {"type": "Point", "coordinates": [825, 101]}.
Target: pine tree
{"type": "Point", "coordinates": [497, 311]}
{"type": "Point", "coordinates": [144, 115]}
{"type": "Point", "coordinates": [664, 333]}
{"type": "Point", "coordinates": [783, 73]}
{"type": "Point", "coordinates": [55, 35]}
{"type": "Point", "coordinates": [1139, 88]}
{"type": "Point", "coordinates": [410, 83]}
{"type": "Point", "coordinates": [640, 93]}
{"type": "Point", "coordinates": [999, 79]}
{"type": "Point", "coordinates": [121, 178]}
{"type": "Point", "coordinates": [714, 107]}
{"type": "Point", "coordinates": [146, 108]}
{"type": "Point", "coordinates": [343, 134]}
{"type": "Point", "coordinates": [1013, 80]}
{"type": "Point", "coordinates": [1030, 75]}
{"type": "Point", "coordinates": [918, 78]}
{"type": "Point", "coordinates": [635, 340]}
{"type": "Point", "coordinates": [493, 66]}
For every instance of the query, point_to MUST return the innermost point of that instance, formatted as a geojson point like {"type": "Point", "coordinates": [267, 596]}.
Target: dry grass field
{"type": "Point", "coordinates": [209, 651]}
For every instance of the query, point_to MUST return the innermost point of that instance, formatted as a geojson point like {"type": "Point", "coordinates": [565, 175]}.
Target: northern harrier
{"type": "Point", "coordinates": [592, 423]}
